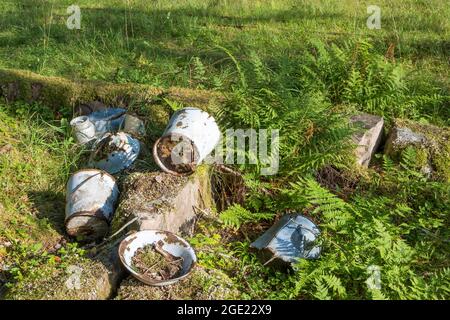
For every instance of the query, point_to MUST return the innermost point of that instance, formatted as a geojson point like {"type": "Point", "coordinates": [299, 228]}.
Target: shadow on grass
{"type": "Point", "coordinates": [50, 206]}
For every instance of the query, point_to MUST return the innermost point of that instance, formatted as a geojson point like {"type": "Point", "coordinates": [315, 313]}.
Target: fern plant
{"type": "Point", "coordinates": [236, 215]}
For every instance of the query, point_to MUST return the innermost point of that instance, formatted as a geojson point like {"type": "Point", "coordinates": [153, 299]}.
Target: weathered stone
{"type": "Point", "coordinates": [430, 143]}
{"type": "Point", "coordinates": [82, 279]}
{"type": "Point", "coordinates": [163, 201]}
{"type": "Point", "coordinates": [367, 137]}
{"type": "Point", "coordinates": [200, 285]}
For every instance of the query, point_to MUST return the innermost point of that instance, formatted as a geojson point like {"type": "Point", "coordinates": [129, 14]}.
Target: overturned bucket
{"type": "Point", "coordinates": [90, 202]}
{"type": "Point", "coordinates": [191, 135]}
{"type": "Point", "coordinates": [293, 237]}
{"type": "Point", "coordinates": [83, 128]}
{"type": "Point", "coordinates": [107, 120]}
{"type": "Point", "coordinates": [114, 152]}
{"type": "Point", "coordinates": [169, 242]}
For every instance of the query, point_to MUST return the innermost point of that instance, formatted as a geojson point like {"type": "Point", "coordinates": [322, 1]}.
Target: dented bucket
{"type": "Point", "coordinates": [83, 128]}
{"type": "Point", "coordinates": [114, 152]}
{"type": "Point", "coordinates": [168, 242]}
{"type": "Point", "coordinates": [293, 237]}
{"type": "Point", "coordinates": [107, 120]}
{"type": "Point", "coordinates": [90, 202]}
{"type": "Point", "coordinates": [191, 135]}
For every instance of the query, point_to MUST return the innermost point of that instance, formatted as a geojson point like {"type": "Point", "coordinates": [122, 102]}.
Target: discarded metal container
{"type": "Point", "coordinates": [107, 120]}
{"type": "Point", "coordinates": [83, 129]}
{"type": "Point", "coordinates": [291, 238]}
{"type": "Point", "coordinates": [91, 198]}
{"type": "Point", "coordinates": [168, 241]}
{"type": "Point", "coordinates": [114, 152]}
{"type": "Point", "coordinates": [134, 126]}
{"type": "Point", "coordinates": [190, 136]}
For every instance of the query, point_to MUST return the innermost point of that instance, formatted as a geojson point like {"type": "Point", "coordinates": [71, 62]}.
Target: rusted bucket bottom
{"type": "Point", "coordinates": [87, 226]}
{"type": "Point", "coordinates": [176, 154]}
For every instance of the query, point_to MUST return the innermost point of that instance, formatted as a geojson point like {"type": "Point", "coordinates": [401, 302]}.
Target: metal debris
{"type": "Point", "coordinates": [108, 120]}
{"type": "Point", "coordinates": [293, 237]}
{"type": "Point", "coordinates": [83, 128]}
{"type": "Point", "coordinates": [191, 135]}
{"type": "Point", "coordinates": [166, 241]}
{"type": "Point", "coordinates": [90, 202]}
{"type": "Point", "coordinates": [114, 152]}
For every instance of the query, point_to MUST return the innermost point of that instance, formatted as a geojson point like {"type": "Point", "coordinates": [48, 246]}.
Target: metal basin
{"type": "Point", "coordinates": [168, 241]}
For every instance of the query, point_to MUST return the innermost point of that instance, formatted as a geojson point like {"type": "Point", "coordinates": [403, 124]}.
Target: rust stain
{"type": "Point", "coordinates": [170, 238]}
{"type": "Point", "coordinates": [124, 245]}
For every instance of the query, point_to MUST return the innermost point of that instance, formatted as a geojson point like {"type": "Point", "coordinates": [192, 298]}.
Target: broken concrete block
{"type": "Point", "coordinates": [163, 201]}
{"type": "Point", "coordinates": [367, 137]}
{"type": "Point", "coordinates": [200, 285]}
{"type": "Point", "coordinates": [431, 144]}
{"type": "Point", "coordinates": [83, 279]}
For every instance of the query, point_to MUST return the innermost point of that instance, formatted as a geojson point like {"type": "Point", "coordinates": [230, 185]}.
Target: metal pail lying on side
{"type": "Point", "coordinates": [114, 152]}
{"type": "Point", "coordinates": [90, 202]}
{"type": "Point", "coordinates": [170, 243]}
{"type": "Point", "coordinates": [83, 128]}
{"type": "Point", "coordinates": [293, 237]}
{"type": "Point", "coordinates": [191, 135]}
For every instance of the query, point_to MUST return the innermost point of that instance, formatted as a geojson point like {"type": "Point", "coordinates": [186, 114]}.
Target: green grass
{"type": "Point", "coordinates": [167, 43]}
{"type": "Point", "coordinates": [38, 155]}
{"type": "Point", "coordinates": [300, 66]}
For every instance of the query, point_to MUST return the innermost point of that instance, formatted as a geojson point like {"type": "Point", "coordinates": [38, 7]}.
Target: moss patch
{"type": "Point", "coordinates": [62, 283]}
{"type": "Point", "coordinates": [146, 192]}
{"type": "Point", "coordinates": [62, 94]}
{"type": "Point", "coordinates": [73, 277]}
{"type": "Point", "coordinates": [202, 284]}
{"type": "Point", "coordinates": [432, 146]}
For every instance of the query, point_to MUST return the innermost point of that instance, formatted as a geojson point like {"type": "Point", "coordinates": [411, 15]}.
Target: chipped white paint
{"type": "Point", "coordinates": [121, 151]}
{"type": "Point", "coordinates": [90, 203]}
{"type": "Point", "coordinates": [171, 243]}
{"type": "Point", "coordinates": [83, 128]}
{"type": "Point", "coordinates": [198, 127]}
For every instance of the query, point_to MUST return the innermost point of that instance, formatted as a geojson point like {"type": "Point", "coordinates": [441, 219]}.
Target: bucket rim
{"type": "Point", "coordinates": [79, 120]}
{"type": "Point", "coordinates": [94, 215]}
{"type": "Point", "coordinates": [160, 163]}
{"type": "Point", "coordinates": [158, 283]}
{"type": "Point", "coordinates": [86, 214]}
{"type": "Point", "coordinates": [95, 170]}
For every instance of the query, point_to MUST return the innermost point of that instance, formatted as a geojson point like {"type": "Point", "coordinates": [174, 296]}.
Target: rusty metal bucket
{"type": "Point", "coordinates": [83, 128]}
{"type": "Point", "coordinates": [114, 152]}
{"type": "Point", "coordinates": [293, 237]}
{"type": "Point", "coordinates": [90, 202]}
{"type": "Point", "coordinates": [169, 242]}
{"type": "Point", "coordinates": [191, 135]}
{"type": "Point", "coordinates": [107, 120]}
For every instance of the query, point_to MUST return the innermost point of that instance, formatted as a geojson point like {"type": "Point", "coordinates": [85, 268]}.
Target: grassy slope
{"type": "Point", "coordinates": [156, 42]}
{"type": "Point", "coordinates": [34, 167]}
